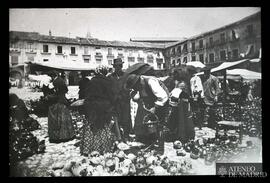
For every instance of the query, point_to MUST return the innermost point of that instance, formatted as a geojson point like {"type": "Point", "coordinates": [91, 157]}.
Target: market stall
{"type": "Point", "coordinates": [70, 66]}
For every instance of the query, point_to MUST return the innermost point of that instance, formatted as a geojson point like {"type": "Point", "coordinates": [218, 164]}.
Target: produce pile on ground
{"type": "Point", "coordinates": [121, 164]}
{"type": "Point", "coordinates": [39, 107]}
{"type": "Point", "coordinates": [22, 142]}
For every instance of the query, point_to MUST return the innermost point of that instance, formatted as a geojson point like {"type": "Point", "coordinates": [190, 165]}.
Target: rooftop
{"type": "Point", "coordinates": [156, 39]}
{"type": "Point", "coordinates": [34, 36]}
{"type": "Point", "coordinates": [253, 16]}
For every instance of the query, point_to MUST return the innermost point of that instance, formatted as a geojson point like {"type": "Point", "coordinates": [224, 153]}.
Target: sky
{"type": "Point", "coordinates": [124, 23]}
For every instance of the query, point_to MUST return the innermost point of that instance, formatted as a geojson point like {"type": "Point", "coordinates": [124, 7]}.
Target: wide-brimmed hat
{"type": "Point", "coordinates": [132, 79]}
{"type": "Point", "coordinates": [117, 61]}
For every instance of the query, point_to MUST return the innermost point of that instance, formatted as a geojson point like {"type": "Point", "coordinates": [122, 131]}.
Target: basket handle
{"type": "Point", "coordinates": [147, 115]}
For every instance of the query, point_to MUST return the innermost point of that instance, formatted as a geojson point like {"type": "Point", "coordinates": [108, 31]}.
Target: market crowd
{"type": "Point", "coordinates": [168, 109]}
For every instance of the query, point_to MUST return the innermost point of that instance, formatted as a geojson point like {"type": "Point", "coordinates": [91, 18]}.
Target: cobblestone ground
{"type": "Point", "coordinates": [38, 164]}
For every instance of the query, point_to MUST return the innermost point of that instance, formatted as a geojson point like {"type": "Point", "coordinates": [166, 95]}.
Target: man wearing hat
{"type": "Point", "coordinates": [154, 95]}
{"type": "Point", "coordinates": [211, 92]}
{"type": "Point", "coordinates": [122, 98]}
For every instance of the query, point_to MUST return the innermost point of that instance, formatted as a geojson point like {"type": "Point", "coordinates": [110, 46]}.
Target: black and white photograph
{"type": "Point", "coordinates": [146, 91]}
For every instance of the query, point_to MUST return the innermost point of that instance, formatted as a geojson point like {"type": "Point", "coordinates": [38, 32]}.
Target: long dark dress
{"type": "Point", "coordinates": [82, 87]}
{"type": "Point", "coordinates": [60, 127]}
{"type": "Point", "coordinates": [122, 102]}
{"type": "Point", "coordinates": [180, 121]}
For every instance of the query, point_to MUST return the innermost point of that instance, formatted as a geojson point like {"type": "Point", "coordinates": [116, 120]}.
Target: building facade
{"type": "Point", "coordinates": [238, 40]}
{"type": "Point", "coordinates": [232, 42]}
{"type": "Point", "coordinates": [33, 47]}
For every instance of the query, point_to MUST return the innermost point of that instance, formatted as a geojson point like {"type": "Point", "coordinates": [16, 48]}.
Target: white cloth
{"type": "Point", "coordinates": [157, 90]}
{"type": "Point", "coordinates": [196, 85]}
{"type": "Point", "coordinates": [51, 85]}
{"type": "Point", "coordinates": [176, 92]}
{"type": "Point", "coordinates": [174, 96]}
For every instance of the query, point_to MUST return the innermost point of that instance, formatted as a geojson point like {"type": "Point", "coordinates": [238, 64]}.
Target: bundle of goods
{"type": "Point", "coordinates": [31, 124]}
{"type": "Point", "coordinates": [121, 164]}
{"type": "Point", "coordinates": [39, 107]}
{"type": "Point", "coordinates": [22, 143]}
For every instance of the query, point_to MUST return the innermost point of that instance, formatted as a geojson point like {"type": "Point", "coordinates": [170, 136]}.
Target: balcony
{"type": "Point", "coordinates": [98, 57]}
{"type": "Point", "coordinates": [110, 56]}
{"type": "Point", "coordinates": [16, 50]}
{"type": "Point", "coordinates": [210, 45]}
{"type": "Point", "coordinates": [61, 54]}
{"type": "Point", "coordinates": [193, 50]}
{"type": "Point", "coordinates": [184, 51]}
{"type": "Point", "coordinates": [31, 51]}
{"type": "Point", "coordinates": [45, 53]}
{"type": "Point", "coordinates": [73, 54]}
{"type": "Point", "coordinates": [234, 40]}
{"type": "Point", "coordinates": [220, 42]}
{"type": "Point", "coordinates": [140, 60]}
{"type": "Point", "coordinates": [86, 56]}
{"type": "Point", "coordinates": [131, 59]}
{"type": "Point", "coordinates": [120, 56]}
{"type": "Point", "coordinates": [200, 48]}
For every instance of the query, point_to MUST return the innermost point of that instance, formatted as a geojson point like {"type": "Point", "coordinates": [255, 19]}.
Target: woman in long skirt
{"type": "Point", "coordinates": [97, 132]}
{"type": "Point", "coordinates": [180, 120]}
{"type": "Point", "coordinates": [60, 126]}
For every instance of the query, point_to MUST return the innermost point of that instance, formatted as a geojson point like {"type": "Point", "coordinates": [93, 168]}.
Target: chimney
{"type": "Point", "coordinates": [88, 35]}
{"type": "Point", "coordinates": [50, 33]}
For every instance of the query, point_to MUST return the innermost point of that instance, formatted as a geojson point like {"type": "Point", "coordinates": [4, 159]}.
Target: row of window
{"type": "Point", "coordinates": [234, 54]}
{"type": "Point", "coordinates": [45, 49]}
{"type": "Point", "coordinates": [14, 59]}
{"type": "Point", "coordinates": [249, 30]}
{"type": "Point", "coordinates": [86, 51]}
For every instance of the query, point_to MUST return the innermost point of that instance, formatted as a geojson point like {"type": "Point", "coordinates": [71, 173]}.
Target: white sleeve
{"type": "Point", "coordinates": [51, 85]}
{"type": "Point", "coordinates": [136, 97]}
{"type": "Point", "coordinates": [158, 91]}
{"type": "Point", "coordinates": [200, 86]}
{"type": "Point", "coordinates": [192, 86]}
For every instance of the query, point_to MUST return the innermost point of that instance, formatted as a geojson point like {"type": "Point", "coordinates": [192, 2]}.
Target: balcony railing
{"type": "Point", "coordinates": [46, 53]}
{"type": "Point", "coordinates": [14, 50]}
{"type": "Point", "coordinates": [110, 55]}
{"type": "Point", "coordinates": [98, 56]}
{"type": "Point", "coordinates": [31, 51]}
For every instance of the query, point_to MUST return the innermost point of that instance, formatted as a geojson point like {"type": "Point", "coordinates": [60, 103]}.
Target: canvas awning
{"type": "Point", "coordinates": [238, 74]}
{"type": "Point", "coordinates": [197, 64]}
{"type": "Point", "coordinates": [225, 65]}
{"type": "Point", "coordinates": [249, 49]}
{"type": "Point", "coordinates": [39, 77]}
{"type": "Point", "coordinates": [245, 74]}
{"type": "Point", "coordinates": [68, 65]}
{"type": "Point", "coordinates": [255, 60]}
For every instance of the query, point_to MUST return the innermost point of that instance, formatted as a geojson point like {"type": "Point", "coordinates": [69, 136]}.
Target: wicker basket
{"type": "Point", "coordinates": [151, 123]}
